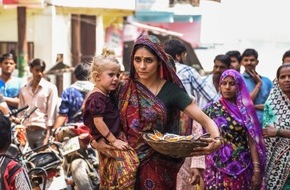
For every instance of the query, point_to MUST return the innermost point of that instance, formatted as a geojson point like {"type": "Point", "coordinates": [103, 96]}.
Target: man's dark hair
{"type": "Point", "coordinates": [5, 133]}
{"type": "Point", "coordinates": [38, 62]}
{"type": "Point", "coordinates": [286, 54]}
{"type": "Point", "coordinates": [174, 47]}
{"type": "Point", "coordinates": [223, 58]}
{"type": "Point", "coordinates": [8, 56]}
{"type": "Point", "coordinates": [82, 71]}
{"type": "Point", "coordinates": [236, 54]}
{"type": "Point", "coordinates": [250, 52]}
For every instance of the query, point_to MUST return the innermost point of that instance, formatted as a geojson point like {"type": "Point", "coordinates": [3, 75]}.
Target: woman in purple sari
{"type": "Point", "coordinates": [240, 162]}
{"type": "Point", "coordinates": [152, 98]}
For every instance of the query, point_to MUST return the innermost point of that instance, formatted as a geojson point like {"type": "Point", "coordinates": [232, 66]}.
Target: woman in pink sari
{"type": "Point", "coordinates": [240, 162]}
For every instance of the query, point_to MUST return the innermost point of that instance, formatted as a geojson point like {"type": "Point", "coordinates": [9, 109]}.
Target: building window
{"type": "Point", "coordinates": [12, 47]}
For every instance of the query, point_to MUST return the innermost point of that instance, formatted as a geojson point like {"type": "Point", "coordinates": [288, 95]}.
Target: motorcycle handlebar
{"type": "Point", "coordinates": [25, 115]}
{"type": "Point", "coordinates": [29, 112]}
{"type": "Point", "coordinates": [14, 112]}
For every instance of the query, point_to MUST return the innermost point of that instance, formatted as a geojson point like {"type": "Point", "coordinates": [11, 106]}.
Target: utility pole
{"type": "Point", "coordinates": [76, 41]}
{"type": "Point", "coordinates": [22, 42]}
{"type": "Point", "coordinates": [88, 41]}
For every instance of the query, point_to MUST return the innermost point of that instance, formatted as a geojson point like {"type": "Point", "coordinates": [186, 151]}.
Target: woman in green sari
{"type": "Point", "coordinates": [276, 124]}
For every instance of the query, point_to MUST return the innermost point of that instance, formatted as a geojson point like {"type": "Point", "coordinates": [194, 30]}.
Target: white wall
{"type": "Point", "coordinates": [241, 24]}
{"type": "Point", "coordinates": [8, 26]}
{"type": "Point", "coordinates": [51, 34]}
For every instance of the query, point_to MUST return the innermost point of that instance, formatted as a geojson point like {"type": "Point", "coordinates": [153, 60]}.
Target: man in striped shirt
{"type": "Point", "coordinates": [189, 77]}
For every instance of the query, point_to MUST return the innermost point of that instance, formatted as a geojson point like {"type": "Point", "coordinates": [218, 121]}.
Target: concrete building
{"type": "Point", "coordinates": [74, 30]}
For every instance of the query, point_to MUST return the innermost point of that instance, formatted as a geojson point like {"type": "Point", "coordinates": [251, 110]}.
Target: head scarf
{"type": "Point", "coordinates": [245, 113]}
{"type": "Point", "coordinates": [166, 69]}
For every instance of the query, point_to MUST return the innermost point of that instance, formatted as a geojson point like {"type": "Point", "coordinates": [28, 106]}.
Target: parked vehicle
{"type": "Point", "coordinates": [80, 161]}
{"type": "Point", "coordinates": [44, 163]}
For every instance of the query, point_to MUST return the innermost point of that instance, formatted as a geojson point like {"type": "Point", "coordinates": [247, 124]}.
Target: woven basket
{"type": "Point", "coordinates": [179, 149]}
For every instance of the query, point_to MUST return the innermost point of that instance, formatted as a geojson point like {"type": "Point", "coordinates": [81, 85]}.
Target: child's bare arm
{"type": "Point", "coordinates": [106, 133]}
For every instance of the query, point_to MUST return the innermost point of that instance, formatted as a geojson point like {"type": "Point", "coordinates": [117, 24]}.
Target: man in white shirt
{"type": "Point", "coordinates": [42, 94]}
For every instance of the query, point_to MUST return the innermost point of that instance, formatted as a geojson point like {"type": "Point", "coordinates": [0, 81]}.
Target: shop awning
{"type": "Point", "coordinates": [93, 7]}
{"type": "Point", "coordinates": [108, 4]}
{"type": "Point", "coordinates": [155, 29]}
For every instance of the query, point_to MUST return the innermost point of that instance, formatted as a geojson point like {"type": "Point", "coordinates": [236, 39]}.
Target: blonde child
{"type": "Point", "coordinates": [117, 169]}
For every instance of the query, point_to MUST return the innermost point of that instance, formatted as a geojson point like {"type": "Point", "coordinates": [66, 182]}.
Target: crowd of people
{"type": "Point", "coordinates": [246, 115]}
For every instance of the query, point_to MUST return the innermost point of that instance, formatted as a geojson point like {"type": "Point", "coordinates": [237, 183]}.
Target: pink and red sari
{"type": "Point", "coordinates": [141, 111]}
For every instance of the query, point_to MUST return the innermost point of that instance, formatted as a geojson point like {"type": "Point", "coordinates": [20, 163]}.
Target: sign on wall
{"type": "Point", "coordinates": [114, 40]}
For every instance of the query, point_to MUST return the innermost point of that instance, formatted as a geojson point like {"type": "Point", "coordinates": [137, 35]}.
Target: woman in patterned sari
{"type": "Point", "coordinates": [239, 163]}
{"type": "Point", "coordinates": [276, 125]}
{"type": "Point", "coordinates": [152, 98]}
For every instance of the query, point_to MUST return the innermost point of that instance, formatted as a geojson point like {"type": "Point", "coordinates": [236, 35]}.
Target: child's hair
{"type": "Point", "coordinates": [101, 62]}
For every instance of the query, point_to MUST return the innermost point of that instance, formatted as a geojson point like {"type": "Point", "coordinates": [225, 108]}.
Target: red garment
{"type": "Point", "coordinates": [118, 169]}
{"type": "Point", "coordinates": [141, 111]}
{"type": "Point", "coordinates": [14, 177]}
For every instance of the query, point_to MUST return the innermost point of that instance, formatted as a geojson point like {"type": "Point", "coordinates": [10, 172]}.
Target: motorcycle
{"type": "Point", "coordinates": [80, 160]}
{"type": "Point", "coordinates": [44, 163]}
{"type": "Point", "coordinates": [44, 166]}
